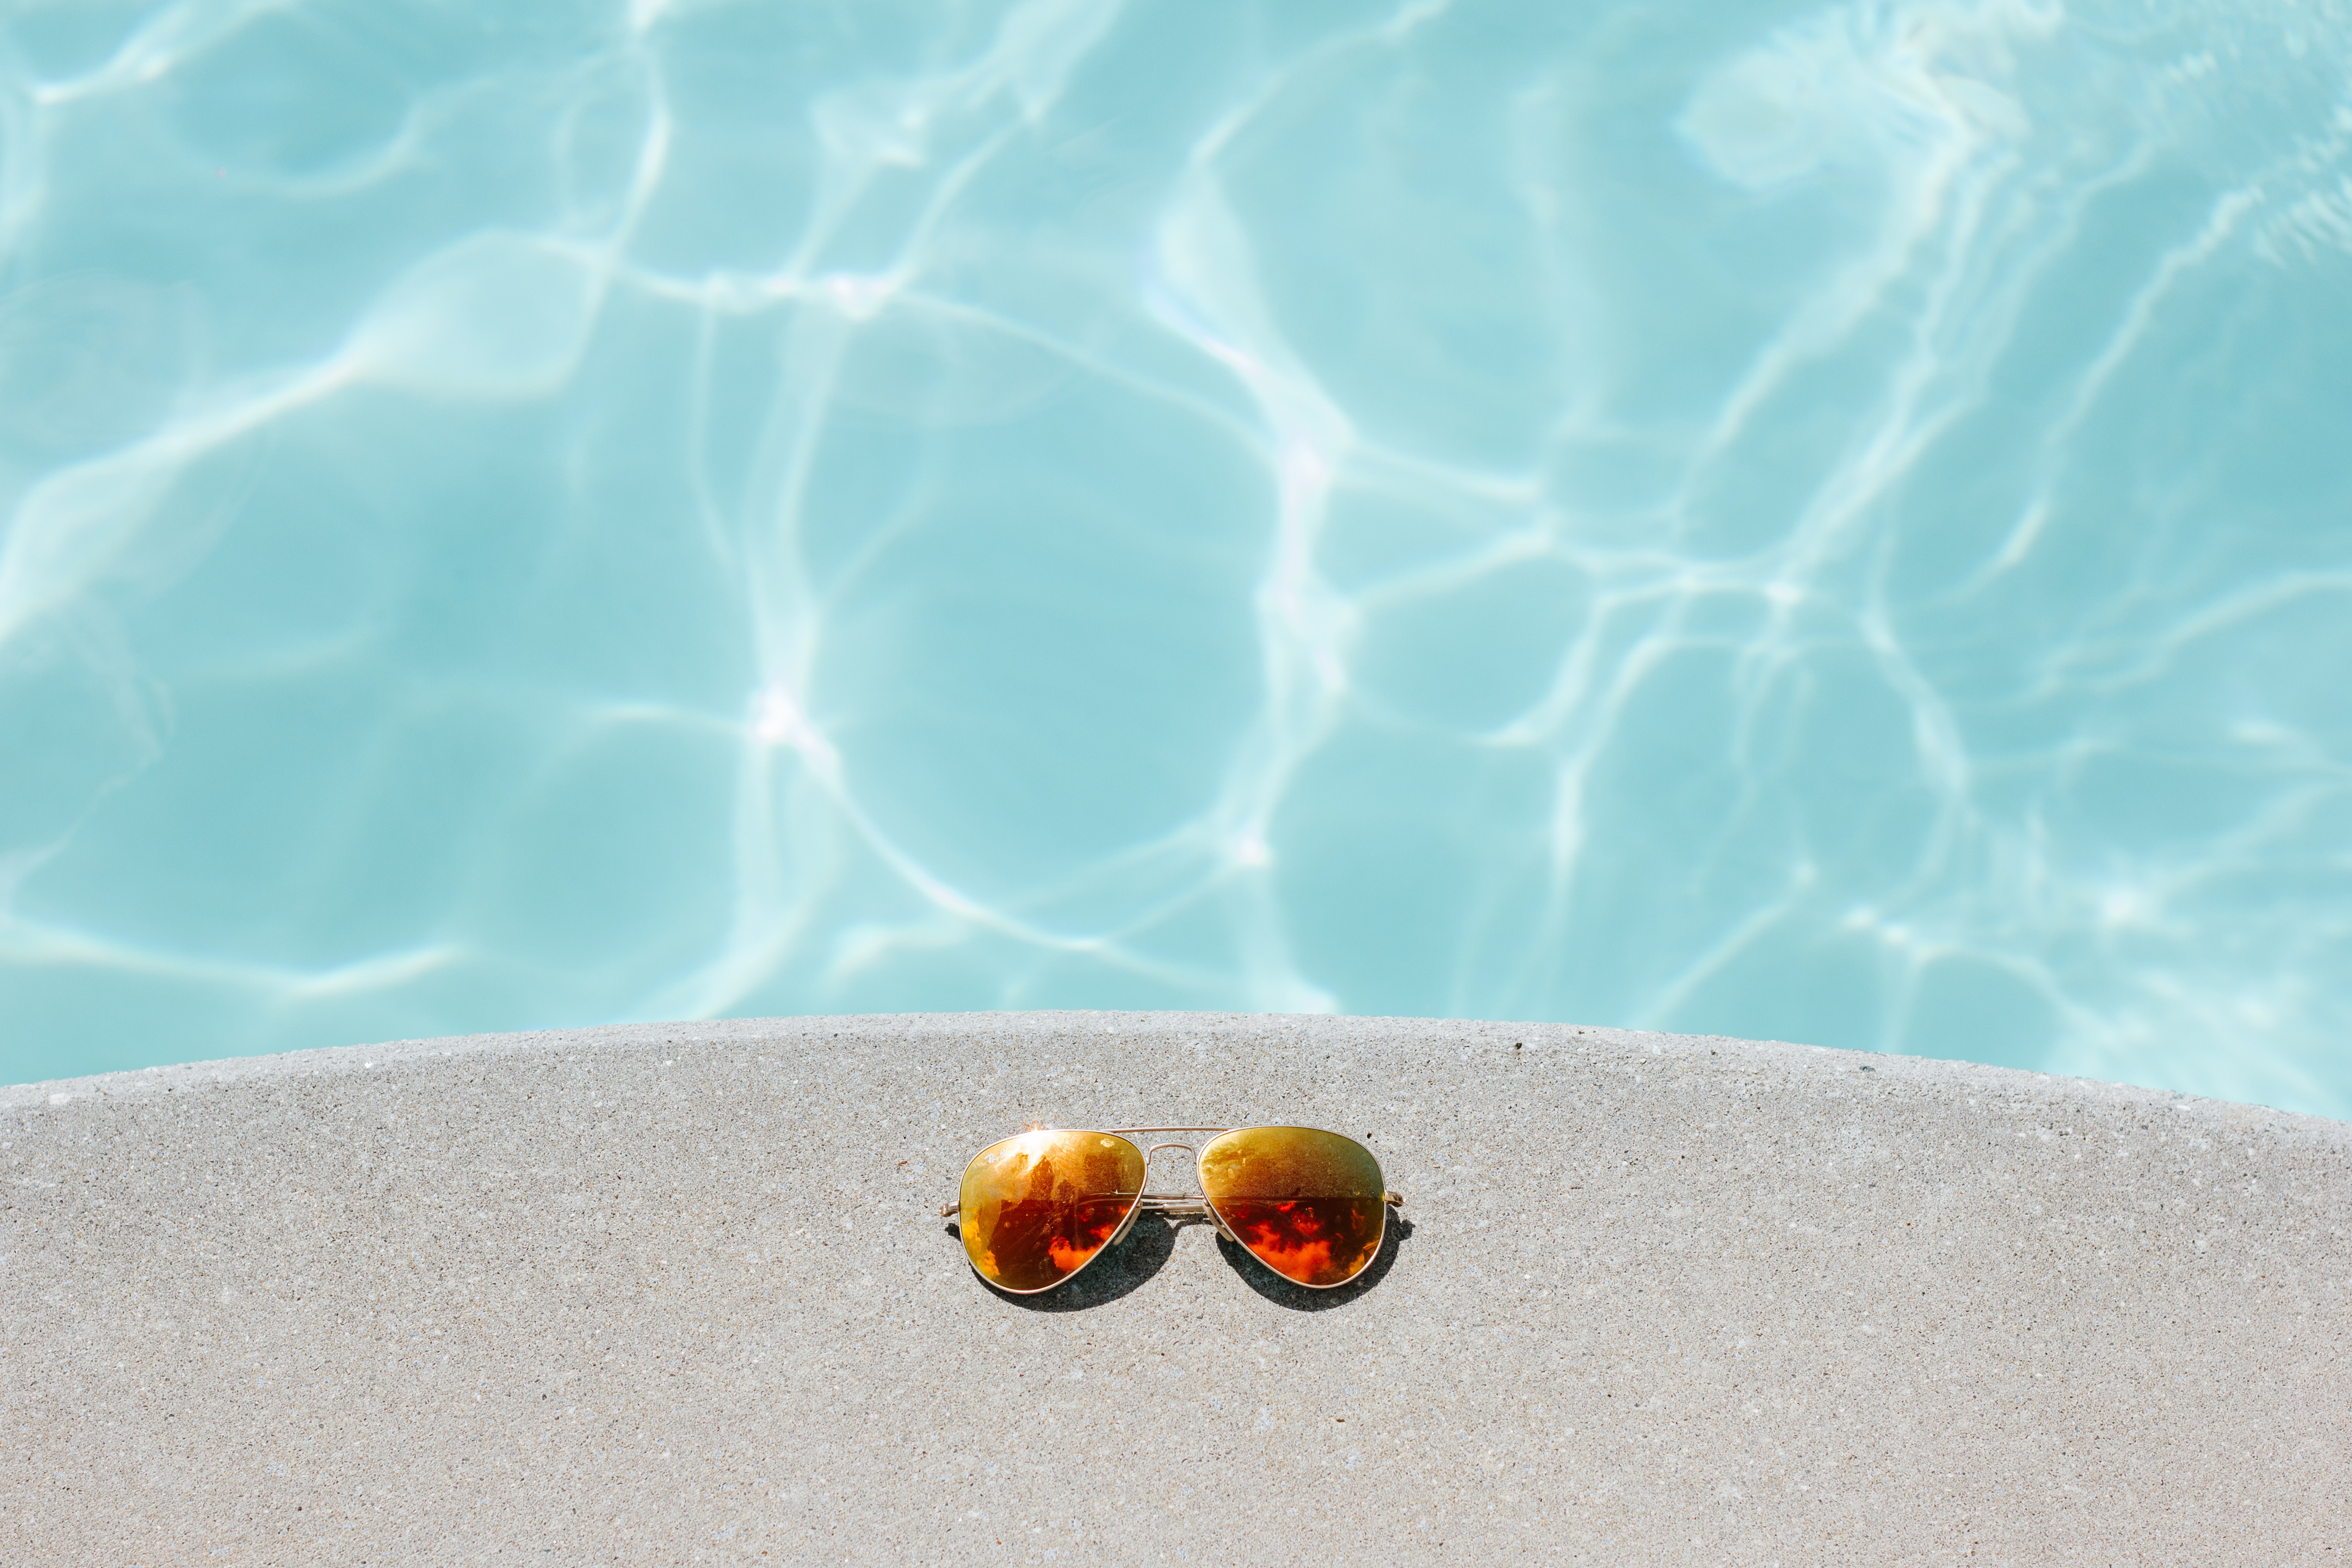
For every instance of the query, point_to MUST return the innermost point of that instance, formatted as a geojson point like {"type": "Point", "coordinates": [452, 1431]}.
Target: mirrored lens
{"type": "Point", "coordinates": [1036, 1208]}
{"type": "Point", "coordinates": [1309, 1204]}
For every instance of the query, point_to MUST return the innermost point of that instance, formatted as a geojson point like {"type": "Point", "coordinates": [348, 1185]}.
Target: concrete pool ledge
{"type": "Point", "coordinates": [677, 1293]}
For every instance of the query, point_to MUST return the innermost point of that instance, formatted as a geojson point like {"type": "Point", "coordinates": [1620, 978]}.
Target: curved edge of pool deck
{"type": "Point", "coordinates": [679, 1292]}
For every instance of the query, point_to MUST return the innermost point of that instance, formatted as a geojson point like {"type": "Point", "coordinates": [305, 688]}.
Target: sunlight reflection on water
{"type": "Point", "coordinates": [1824, 522]}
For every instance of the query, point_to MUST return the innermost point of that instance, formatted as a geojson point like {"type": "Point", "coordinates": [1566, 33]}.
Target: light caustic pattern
{"type": "Point", "coordinates": [1824, 521]}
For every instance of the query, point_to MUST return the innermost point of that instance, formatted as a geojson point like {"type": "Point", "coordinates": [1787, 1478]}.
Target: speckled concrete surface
{"type": "Point", "coordinates": [677, 1294]}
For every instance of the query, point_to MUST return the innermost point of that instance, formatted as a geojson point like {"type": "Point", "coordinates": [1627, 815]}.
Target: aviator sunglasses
{"type": "Point", "coordinates": [1036, 1208]}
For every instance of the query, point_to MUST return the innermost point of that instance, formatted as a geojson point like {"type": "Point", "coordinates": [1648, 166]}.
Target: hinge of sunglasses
{"type": "Point", "coordinates": [1176, 1202]}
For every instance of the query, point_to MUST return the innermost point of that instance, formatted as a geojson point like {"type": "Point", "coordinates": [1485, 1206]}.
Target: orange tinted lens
{"type": "Point", "coordinates": [1310, 1204]}
{"type": "Point", "coordinates": [1035, 1208]}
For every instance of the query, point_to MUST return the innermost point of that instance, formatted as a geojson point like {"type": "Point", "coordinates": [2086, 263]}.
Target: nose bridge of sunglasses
{"type": "Point", "coordinates": [1169, 1202]}
{"type": "Point", "coordinates": [1184, 1205]}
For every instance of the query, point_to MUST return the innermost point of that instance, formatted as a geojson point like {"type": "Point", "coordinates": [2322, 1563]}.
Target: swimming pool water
{"type": "Point", "coordinates": [1828, 522]}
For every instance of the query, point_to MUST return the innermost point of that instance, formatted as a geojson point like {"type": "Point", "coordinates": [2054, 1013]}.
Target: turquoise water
{"type": "Point", "coordinates": [1824, 521]}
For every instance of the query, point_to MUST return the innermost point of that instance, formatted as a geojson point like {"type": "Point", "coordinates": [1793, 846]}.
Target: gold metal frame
{"type": "Point", "coordinates": [1175, 1203]}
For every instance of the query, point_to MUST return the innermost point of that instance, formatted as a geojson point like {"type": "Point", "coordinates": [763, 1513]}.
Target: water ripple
{"type": "Point", "coordinates": [1827, 522]}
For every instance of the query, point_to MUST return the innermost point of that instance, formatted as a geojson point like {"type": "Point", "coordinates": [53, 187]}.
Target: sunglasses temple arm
{"type": "Point", "coordinates": [1150, 1203]}
{"type": "Point", "coordinates": [1172, 1202]}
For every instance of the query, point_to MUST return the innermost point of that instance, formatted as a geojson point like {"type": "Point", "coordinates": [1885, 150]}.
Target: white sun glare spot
{"type": "Point", "coordinates": [1306, 472]}
{"type": "Point", "coordinates": [2263, 732]}
{"type": "Point", "coordinates": [859, 296]}
{"type": "Point", "coordinates": [777, 719]}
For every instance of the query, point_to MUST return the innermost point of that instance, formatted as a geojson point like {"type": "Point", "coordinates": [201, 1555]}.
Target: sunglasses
{"type": "Point", "coordinates": [1036, 1208]}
